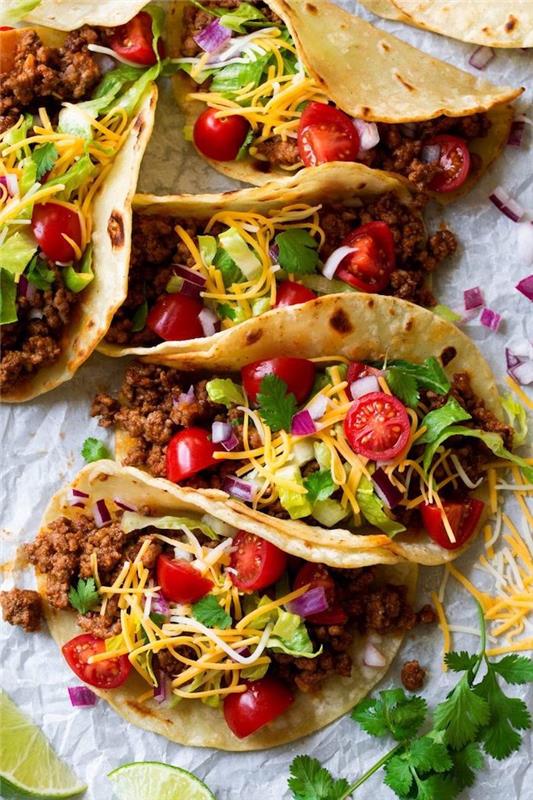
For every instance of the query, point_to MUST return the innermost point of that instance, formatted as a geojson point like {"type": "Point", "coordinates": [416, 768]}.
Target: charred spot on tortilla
{"type": "Point", "coordinates": [361, 185]}
{"type": "Point", "coordinates": [409, 324]}
{"type": "Point", "coordinates": [408, 86]}
{"type": "Point", "coordinates": [311, 8]}
{"type": "Point", "coordinates": [340, 322]}
{"type": "Point", "coordinates": [447, 355]}
{"type": "Point", "coordinates": [365, 111]}
{"type": "Point", "coordinates": [145, 711]}
{"type": "Point", "coordinates": [385, 46]}
{"type": "Point", "coordinates": [511, 23]}
{"type": "Point", "coordinates": [139, 124]}
{"type": "Point", "coordinates": [115, 229]}
{"type": "Point", "coordinates": [253, 336]}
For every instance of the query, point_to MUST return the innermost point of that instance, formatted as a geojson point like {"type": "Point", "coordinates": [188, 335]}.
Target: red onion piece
{"type": "Point", "coordinates": [273, 252]}
{"type": "Point", "coordinates": [385, 489]}
{"type": "Point", "coordinates": [160, 605]}
{"type": "Point", "coordinates": [368, 134]}
{"type": "Point", "coordinates": [481, 57]}
{"type": "Point", "coordinates": [490, 319]}
{"type": "Point", "coordinates": [318, 405]}
{"type": "Point", "coordinates": [473, 298]}
{"type": "Point", "coordinates": [511, 359]}
{"type": "Point", "coordinates": [81, 697]}
{"type": "Point", "coordinates": [526, 287]}
{"type": "Point", "coordinates": [373, 657]}
{"type": "Point", "coordinates": [523, 373]}
{"type": "Point", "coordinates": [220, 431]}
{"type": "Point", "coordinates": [303, 424]}
{"type": "Point", "coordinates": [208, 320]}
{"type": "Point", "coordinates": [430, 153]}
{"type": "Point", "coordinates": [239, 488]}
{"type": "Point", "coordinates": [185, 398]}
{"type": "Point", "coordinates": [26, 289]}
{"type": "Point", "coordinates": [123, 505]}
{"type": "Point", "coordinates": [312, 602]}
{"type": "Point", "coordinates": [516, 134]}
{"type": "Point", "coordinates": [190, 275]}
{"type": "Point", "coordinates": [231, 443]}
{"type": "Point", "coordinates": [212, 37]}
{"type": "Point", "coordinates": [506, 204]}
{"type": "Point", "coordinates": [363, 386]}
{"type": "Point", "coordinates": [101, 513]}
{"type": "Point", "coordinates": [11, 183]}
{"type": "Point", "coordinates": [332, 264]}
{"type": "Point", "coordinates": [161, 690]}
{"type": "Point", "coordinates": [75, 497]}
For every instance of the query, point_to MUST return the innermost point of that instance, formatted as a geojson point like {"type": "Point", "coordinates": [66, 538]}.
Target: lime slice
{"type": "Point", "coordinates": [152, 780]}
{"type": "Point", "coordinates": [27, 762]}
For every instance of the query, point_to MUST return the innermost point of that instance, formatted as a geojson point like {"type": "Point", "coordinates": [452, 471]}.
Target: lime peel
{"type": "Point", "coordinates": [153, 780]}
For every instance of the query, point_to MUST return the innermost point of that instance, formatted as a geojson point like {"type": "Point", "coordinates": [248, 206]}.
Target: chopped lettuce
{"type": "Point", "coordinates": [225, 392]}
{"type": "Point", "coordinates": [77, 281]}
{"type": "Point", "coordinates": [322, 455]}
{"type": "Point", "coordinates": [323, 285]}
{"type": "Point", "coordinates": [491, 440]}
{"type": "Point", "coordinates": [132, 521]}
{"type": "Point", "coordinates": [289, 635]}
{"type": "Point", "coordinates": [517, 416]}
{"type": "Point", "coordinates": [26, 181]}
{"type": "Point", "coordinates": [39, 274]}
{"type": "Point", "coordinates": [303, 451]}
{"type": "Point", "coordinates": [233, 77]}
{"type": "Point", "coordinates": [132, 96]}
{"type": "Point", "coordinates": [239, 18]}
{"type": "Point", "coordinates": [447, 313]}
{"type": "Point", "coordinates": [439, 419]}
{"type": "Point", "coordinates": [243, 256]}
{"type": "Point", "coordinates": [208, 249]}
{"type": "Point", "coordinates": [329, 512]}
{"type": "Point", "coordinates": [255, 673]}
{"type": "Point", "coordinates": [158, 25]}
{"type": "Point", "coordinates": [373, 511]}
{"type": "Point", "coordinates": [228, 268]}
{"type": "Point", "coordinates": [80, 173]}
{"type": "Point", "coordinates": [76, 121]}
{"type": "Point", "coordinates": [8, 298]}
{"type": "Point", "coordinates": [234, 313]}
{"type": "Point", "coordinates": [17, 134]}
{"type": "Point", "coordinates": [15, 253]}
{"type": "Point", "coordinates": [296, 504]}
{"type": "Point", "coordinates": [17, 10]}
{"type": "Point", "coordinates": [261, 306]}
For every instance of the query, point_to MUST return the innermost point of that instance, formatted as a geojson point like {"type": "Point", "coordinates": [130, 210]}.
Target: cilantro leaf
{"type": "Point", "coordinates": [514, 668]}
{"type": "Point", "coordinates": [225, 311]}
{"type": "Point", "coordinates": [436, 787]}
{"type": "Point", "coordinates": [310, 781]}
{"type": "Point", "coordinates": [138, 321]}
{"type": "Point", "coordinates": [428, 375]}
{"type": "Point", "coordinates": [461, 662]}
{"type": "Point", "coordinates": [319, 485]}
{"type": "Point", "coordinates": [44, 158]}
{"type": "Point", "coordinates": [461, 715]}
{"type": "Point", "coordinates": [38, 273]}
{"type": "Point", "coordinates": [228, 268]}
{"type": "Point", "coordinates": [84, 597]}
{"type": "Point", "coordinates": [93, 450]}
{"type": "Point", "coordinates": [276, 407]}
{"type": "Point", "coordinates": [403, 385]}
{"type": "Point", "coordinates": [393, 713]}
{"type": "Point", "coordinates": [398, 776]}
{"type": "Point", "coordinates": [500, 738]}
{"type": "Point", "coordinates": [210, 613]}
{"type": "Point", "coordinates": [298, 251]}
{"type": "Point", "coordinates": [427, 754]}
{"type": "Point", "coordinates": [465, 761]}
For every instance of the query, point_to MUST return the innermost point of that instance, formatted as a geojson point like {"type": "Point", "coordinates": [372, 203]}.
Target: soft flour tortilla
{"type": "Point", "coordinates": [191, 722]}
{"type": "Point", "coordinates": [494, 23]}
{"type": "Point", "coordinates": [370, 74]}
{"type": "Point", "coordinates": [111, 241]}
{"type": "Point", "coordinates": [349, 184]}
{"type": "Point", "coordinates": [67, 16]}
{"type": "Point", "coordinates": [361, 327]}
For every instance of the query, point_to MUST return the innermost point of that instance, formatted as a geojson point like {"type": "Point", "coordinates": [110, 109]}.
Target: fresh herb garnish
{"type": "Point", "coordinates": [406, 379]}
{"type": "Point", "coordinates": [319, 485]}
{"type": "Point", "coordinates": [298, 251]}
{"type": "Point", "coordinates": [210, 613]}
{"type": "Point", "coordinates": [403, 385]}
{"type": "Point", "coordinates": [94, 450]}
{"type": "Point", "coordinates": [39, 274]}
{"type": "Point", "coordinates": [276, 406]}
{"type": "Point", "coordinates": [225, 311]}
{"type": "Point", "coordinates": [475, 716]}
{"type": "Point", "coordinates": [44, 158]}
{"type": "Point", "coordinates": [84, 597]}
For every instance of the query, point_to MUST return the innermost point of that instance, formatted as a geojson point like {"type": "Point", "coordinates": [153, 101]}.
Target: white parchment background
{"type": "Point", "coordinates": [40, 449]}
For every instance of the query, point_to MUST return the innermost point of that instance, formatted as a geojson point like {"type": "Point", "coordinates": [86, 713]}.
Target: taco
{"type": "Point", "coordinates": [204, 262]}
{"type": "Point", "coordinates": [268, 87]}
{"type": "Point", "coordinates": [74, 125]}
{"type": "Point", "coordinates": [495, 23]}
{"type": "Point", "coordinates": [202, 631]}
{"type": "Point", "coordinates": [361, 423]}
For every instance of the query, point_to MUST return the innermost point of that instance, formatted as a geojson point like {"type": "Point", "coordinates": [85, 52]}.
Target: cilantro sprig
{"type": "Point", "coordinates": [277, 407]}
{"type": "Point", "coordinates": [94, 449]}
{"type": "Point", "coordinates": [84, 597]}
{"type": "Point", "coordinates": [210, 613]}
{"type": "Point", "coordinates": [475, 716]}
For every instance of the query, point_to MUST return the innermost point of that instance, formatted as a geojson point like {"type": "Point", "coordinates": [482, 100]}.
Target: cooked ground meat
{"type": "Point", "coordinates": [278, 153]}
{"type": "Point", "coordinates": [41, 73]}
{"type": "Point", "coordinates": [195, 19]}
{"type": "Point", "coordinates": [22, 607]}
{"type": "Point", "coordinates": [103, 626]}
{"type": "Point", "coordinates": [426, 615]}
{"type": "Point", "coordinates": [413, 676]}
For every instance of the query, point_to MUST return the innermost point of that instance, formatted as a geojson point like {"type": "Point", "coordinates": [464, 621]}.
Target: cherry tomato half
{"type": "Point", "coordinates": [180, 582]}
{"type": "Point", "coordinates": [134, 40]}
{"type": "Point", "coordinates": [377, 426]}
{"type": "Point", "coordinates": [257, 563]}
{"type": "Point", "coordinates": [175, 317]}
{"type": "Point", "coordinates": [358, 369]}
{"type": "Point", "coordinates": [290, 293]}
{"type": "Point", "coordinates": [49, 222]}
{"type": "Point", "coordinates": [219, 138]}
{"type": "Point", "coordinates": [326, 134]}
{"type": "Point", "coordinates": [454, 162]}
{"type": "Point", "coordinates": [369, 268]}
{"type": "Point", "coordinates": [463, 519]}
{"type": "Point", "coordinates": [188, 452]}
{"type": "Point", "coordinates": [262, 702]}
{"type": "Point", "coordinates": [319, 575]}
{"type": "Point", "coordinates": [106, 674]}
{"type": "Point", "coordinates": [298, 374]}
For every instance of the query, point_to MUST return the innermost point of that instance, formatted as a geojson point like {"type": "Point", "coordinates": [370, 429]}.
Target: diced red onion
{"type": "Point", "coordinates": [312, 602]}
{"type": "Point", "coordinates": [364, 386]}
{"type": "Point", "coordinates": [506, 204]}
{"type": "Point", "coordinates": [430, 153]}
{"type": "Point", "coordinates": [516, 134]}
{"type": "Point", "coordinates": [368, 134]}
{"type": "Point", "coordinates": [332, 264]}
{"type": "Point", "coordinates": [273, 252]}
{"type": "Point", "coordinates": [303, 424]}
{"type": "Point", "coordinates": [239, 488]}
{"type": "Point", "coordinates": [160, 691]}
{"type": "Point", "coordinates": [220, 431]}
{"type": "Point", "coordinates": [385, 489]}
{"type": "Point", "coordinates": [526, 287]}
{"type": "Point", "coordinates": [318, 405]}
{"type": "Point", "coordinates": [75, 497]}
{"type": "Point", "coordinates": [213, 36]}
{"type": "Point", "coordinates": [373, 657]}
{"type": "Point", "coordinates": [490, 319]}
{"type": "Point", "coordinates": [185, 398]}
{"type": "Point", "coordinates": [160, 605]}
{"type": "Point", "coordinates": [11, 183]}
{"type": "Point", "coordinates": [101, 513]}
{"type": "Point", "coordinates": [26, 289]}
{"type": "Point", "coordinates": [190, 275]}
{"type": "Point", "coordinates": [523, 373]}
{"type": "Point", "coordinates": [81, 697]}
{"type": "Point", "coordinates": [511, 359]}
{"type": "Point", "coordinates": [208, 320]}
{"type": "Point", "coordinates": [481, 57]}
{"type": "Point", "coordinates": [473, 298]}
{"type": "Point", "coordinates": [123, 505]}
{"type": "Point", "coordinates": [231, 443]}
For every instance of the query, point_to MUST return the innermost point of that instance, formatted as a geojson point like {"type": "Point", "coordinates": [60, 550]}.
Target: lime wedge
{"type": "Point", "coordinates": [27, 762]}
{"type": "Point", "coordinates": [152, 780]}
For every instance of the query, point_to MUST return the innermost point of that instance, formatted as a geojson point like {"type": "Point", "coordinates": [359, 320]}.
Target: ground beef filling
{"type": "Point", "coordinates": [413, 676]}
{"type": "Point", "coordinates": [156, 247]}
{"type": "Point", "coordinates": [22, 607]}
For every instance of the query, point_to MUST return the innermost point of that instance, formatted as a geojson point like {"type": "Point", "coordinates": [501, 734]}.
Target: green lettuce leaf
{"type": "Point", "coordinates": [440, 418]}
{"type": "Point", "coordinates": [15, 135]}
{"type": "Point", "coordinates": [517, 416]}
{"type": "Point", "coordinates": [208, 249]}
{"type": "Point", "coordinates": [8, 298]}
{"type": "Point", "coordinates": [39, 274]}
{"type": "Point", "coordinates": [225, 392]}
{"type": "Point", "coordinates": [228, 268]}
{"type": "Point", "coordinates": [289, 635]}
{"type": "Point", "coordinates": [132, 96]}
{"type": "Point", "coordinates": [243, 255]}
{"type": "Point", "coordinates": [132, 521]}
{"type": "Point", "coordinates": [373, 511]}
{"type": "Point", "coordinates": [296, 504]}
{"type": "Point", "coordinates": [80, 173]}
{"type": "Point", "coordinates": [329, 512]}
{"type": "Point", "coordinates": [16, 10]}
{"type": "Point", "coordinates": [16, 251]}
{"type": "Point", "coordinates": [234, 77]}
